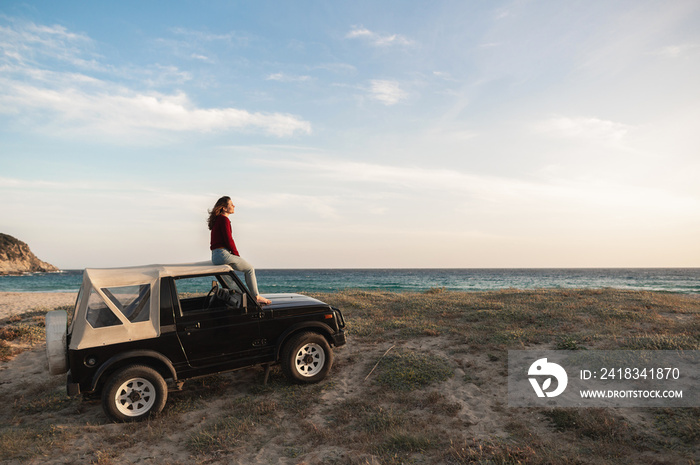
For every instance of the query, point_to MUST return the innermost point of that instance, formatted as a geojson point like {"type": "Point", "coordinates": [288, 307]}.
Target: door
{"type": "Point", "coordinates": [212, 333]}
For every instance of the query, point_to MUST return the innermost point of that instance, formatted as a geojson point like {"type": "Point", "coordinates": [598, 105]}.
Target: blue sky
{"type": "Point", "coordinates": [353, 134]}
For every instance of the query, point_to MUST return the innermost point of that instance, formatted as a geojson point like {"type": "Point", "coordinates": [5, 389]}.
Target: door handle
{"type": "Point", "coordinates": [190, 328]}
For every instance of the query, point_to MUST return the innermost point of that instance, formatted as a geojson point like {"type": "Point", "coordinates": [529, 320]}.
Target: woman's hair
{"type": "Point", "coordinates": [216, 211]}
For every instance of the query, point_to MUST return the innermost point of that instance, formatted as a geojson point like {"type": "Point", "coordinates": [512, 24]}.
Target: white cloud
{"type": "Point", "coordinates": [282, 77]}
{"type": "Point", "coordinates": [387, 92]}
{"type": "Point", "coordinates": [232, 38]}
{"type": "Point", "coordinates": [584, 128]}
{"type": "Point", "coordinates": [444, 76]}
{"type": "Point", "coordinates": [680, 51]}
{"type": "Point", "coordinates": [204, 58]}
{"type": "Point", "coordinates": [29, 43]}
{"type": "Point", "coordinates": [122, 111]}
{"type": "Point", "coordinates": [338, 68]}
{"type": "Point", "coordinates": [565, 196]}
{"type": "Point", "coordinates": [378, 40]}
{"type": "Point", "coordinates": [410, 177]}
{"type": "Point", "coordinates": [319, 205]}
{"type": "Point", "coordinates": [69, 100]}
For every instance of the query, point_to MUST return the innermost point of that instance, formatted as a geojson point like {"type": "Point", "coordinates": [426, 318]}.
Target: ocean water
{"type": "Point", "coordinates": [683, 280]}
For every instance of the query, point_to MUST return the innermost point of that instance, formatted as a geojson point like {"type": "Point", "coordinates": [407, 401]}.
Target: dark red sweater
{"type": "Point", "coordinates": [221, 235]}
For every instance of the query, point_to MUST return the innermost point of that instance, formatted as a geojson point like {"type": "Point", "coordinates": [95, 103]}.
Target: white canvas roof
{"type": "Point", "coordinates": [95, 292]}
{"type": "Point", "coordinates": [108, 277]}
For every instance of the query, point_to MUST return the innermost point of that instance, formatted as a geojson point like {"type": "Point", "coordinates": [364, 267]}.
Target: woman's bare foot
{"type": "Point", "coordinates": [262, 300]}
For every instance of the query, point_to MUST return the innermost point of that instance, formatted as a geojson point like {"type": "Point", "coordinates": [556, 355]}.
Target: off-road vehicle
{"type": "Point", "coordinates": [137, 332]}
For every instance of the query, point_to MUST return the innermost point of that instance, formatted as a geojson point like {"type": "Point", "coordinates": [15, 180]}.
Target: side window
{"type": "Point", "coordinates": [132, 301]}
{"type": "Point", "coordinates": [98, 313]}
{"type": "Point", "coordinates": [195, 293]}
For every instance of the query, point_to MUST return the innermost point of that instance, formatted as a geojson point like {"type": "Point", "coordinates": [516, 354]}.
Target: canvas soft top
{"type": "Point", "coordinates": [104, 277]}
{"type": "Point", "coordinates": [123, 304]}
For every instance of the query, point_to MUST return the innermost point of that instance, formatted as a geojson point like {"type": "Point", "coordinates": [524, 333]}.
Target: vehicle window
{"type": "Point", "coordinates": [230, 283]}
{"type": "Point", "coordinates": [194, 292]}
{"type": "Point", "coordinates": [132, 301]}
{"type": "Point", "coordinates": [98, 313]}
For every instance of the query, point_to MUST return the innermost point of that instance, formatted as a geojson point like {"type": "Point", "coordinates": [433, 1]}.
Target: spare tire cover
{"type": "Point", "coordinates": [56, 347]}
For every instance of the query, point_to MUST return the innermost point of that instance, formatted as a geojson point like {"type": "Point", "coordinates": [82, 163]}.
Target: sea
{"type": "Point", "coordinates": [680, 280]}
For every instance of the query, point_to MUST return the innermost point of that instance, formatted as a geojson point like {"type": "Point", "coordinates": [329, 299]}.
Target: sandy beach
{"type": "Point", "coordinates": [12, 303]}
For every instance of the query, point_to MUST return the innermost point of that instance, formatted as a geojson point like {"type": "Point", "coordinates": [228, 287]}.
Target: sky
{"type": "Point", "coordinates": [364, 134]}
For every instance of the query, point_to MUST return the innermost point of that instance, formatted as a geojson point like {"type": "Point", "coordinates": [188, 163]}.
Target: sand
{"type": "Point", "coordinates": [12, 303]}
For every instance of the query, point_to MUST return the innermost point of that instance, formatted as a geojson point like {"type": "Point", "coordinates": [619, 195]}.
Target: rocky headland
{"type": "Point", "coordinates": [17, 258]}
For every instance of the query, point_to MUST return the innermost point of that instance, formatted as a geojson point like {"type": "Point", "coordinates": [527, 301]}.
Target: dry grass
{"type": "Point", "coordinates": [436, 397]}
{"type": "Point", "coordinates": [19, 332]}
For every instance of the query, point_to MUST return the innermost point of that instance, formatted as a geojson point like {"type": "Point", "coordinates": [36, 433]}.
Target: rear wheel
{"type": "Point", "coordinates": [307, 358]}
{"type": "Point", "coordinates": [134, 393]}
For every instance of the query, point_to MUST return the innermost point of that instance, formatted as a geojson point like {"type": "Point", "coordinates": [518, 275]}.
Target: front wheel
{"type": "Point", "coordinates": [307, 358]}
{"type": "Point", "coordinates": [134, 393]}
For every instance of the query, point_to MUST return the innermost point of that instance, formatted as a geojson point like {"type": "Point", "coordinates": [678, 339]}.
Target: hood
{"type": "Point", "coordinates": [292, 300]}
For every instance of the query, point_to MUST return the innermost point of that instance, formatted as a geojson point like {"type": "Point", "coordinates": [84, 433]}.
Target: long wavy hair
{"type": "Point", "coordinates": [219, 207]}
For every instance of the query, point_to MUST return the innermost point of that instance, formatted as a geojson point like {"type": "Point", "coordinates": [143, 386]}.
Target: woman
{"type": "Point", "coordinates": [223, 248]}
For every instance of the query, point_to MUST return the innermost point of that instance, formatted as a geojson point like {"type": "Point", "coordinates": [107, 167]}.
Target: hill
{"type": "Point", "coordinates": [17, 258]}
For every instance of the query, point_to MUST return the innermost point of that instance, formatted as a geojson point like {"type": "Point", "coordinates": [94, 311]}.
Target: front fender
{"type": "Point", "coordinates": [137, 356]}
{"type": "Point", "coordinates": [315, 326]}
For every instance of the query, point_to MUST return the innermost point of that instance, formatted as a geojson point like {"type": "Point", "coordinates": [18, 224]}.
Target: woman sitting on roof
{"type": "Point", "coordinates": [223, 248]}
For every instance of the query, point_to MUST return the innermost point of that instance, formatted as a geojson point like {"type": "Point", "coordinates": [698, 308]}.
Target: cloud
{"type": "Point", "coordinates": [378, 40]}
{"type": "Point", "coordinates": [29, 43]}
{"type": "Point", "coordinates": [282, 77]}
{"type": "Point", "coordinates": [88, 197]}
{"type": "Point", "coordinates": [123, 111]}
{"type": "Point", "coordinates": [67, 99]}
{"type": "Point", "coordinates": [583, 128]}
{"type": "Point", "coordinates": [338, 68]}
{"type": "Point", "coordinates": [200, 57]}
{"type": "Point", "coordinates": [445, 76]}
{"type": "Point", "coordinates": [232, 38]}
{"type": "Point", "coordinates": [565, 196]}
{"type": "Point", "coordinates": [680, 51]}
{"type": "Point", "coordinates": [320, 206]}
{"type": "Point", "coordinates": [387, 92]}
{"type": "Point", "coordinates": [410, 177]}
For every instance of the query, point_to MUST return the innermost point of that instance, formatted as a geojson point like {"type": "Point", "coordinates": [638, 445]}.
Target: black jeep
{"type": "Point", "coordinates": [135, 328]}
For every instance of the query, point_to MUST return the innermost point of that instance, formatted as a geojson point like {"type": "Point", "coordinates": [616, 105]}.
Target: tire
{"type": "Point", "coordinates": [133, 393]}
{"type": "Point", "coordinates": [307, 358]}
{"type": "Point", "coordinates": [56, 348]}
